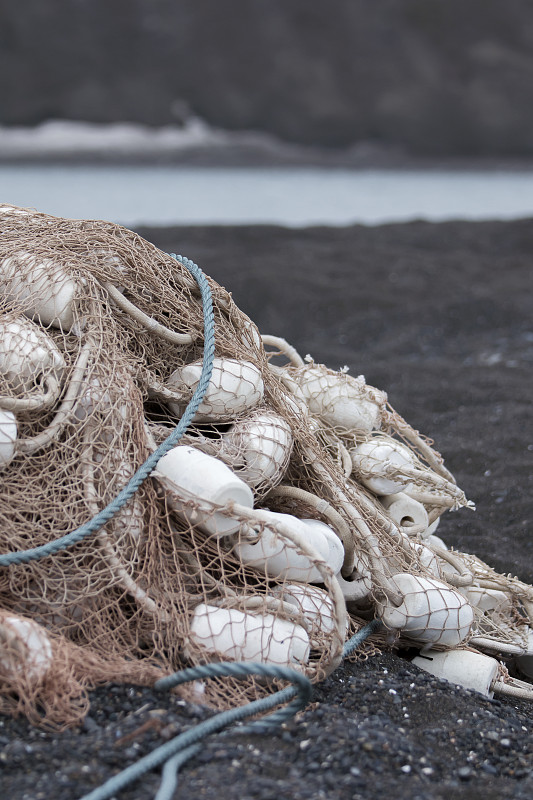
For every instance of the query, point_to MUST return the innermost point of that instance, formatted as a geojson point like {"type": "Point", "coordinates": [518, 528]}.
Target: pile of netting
{"type": "Point", "coordinates": [297, 505]}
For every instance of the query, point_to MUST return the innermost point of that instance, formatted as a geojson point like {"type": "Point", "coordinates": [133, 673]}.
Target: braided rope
{"type": "Point", "coordinates": [145, 470]}
{"type": "Point", "coordinates": [302, 687]}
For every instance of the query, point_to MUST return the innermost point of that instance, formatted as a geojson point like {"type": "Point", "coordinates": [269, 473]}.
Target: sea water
{"type": "Point", "coordinates": [291, 196]}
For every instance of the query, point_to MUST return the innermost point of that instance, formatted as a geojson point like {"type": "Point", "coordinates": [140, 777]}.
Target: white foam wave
{"type": "Point", "coordinates": [60, 138]}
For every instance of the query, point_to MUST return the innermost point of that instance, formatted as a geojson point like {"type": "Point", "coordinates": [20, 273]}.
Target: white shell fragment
{"type": "Point", "coordinates": [27, 354]}
{"type": "Point", "coordinates": [274, 555]}
{"type": "Point", "coordinates": [188, 474]}
{"type": "Point", "coordinates": [237, 636]}
{"type": "Point", "coordinates": [430, 612]}
{"type": "Point", "coordinates": [235, 387]}
{"type": "Point", "coordinates": [8, 436]}
{"type": "Point", "coordinates": [264, 443]}
{"type": "Point", "coordinates": [24, 647]}
{"type": "Point", "coordinates": [371, 458]}
{"type": "Point", "coordinates": [461, 667]}
{"type": "Point", "coordinates": [341, 400]}
{"type": "Point", "coordinates": [45, 291]}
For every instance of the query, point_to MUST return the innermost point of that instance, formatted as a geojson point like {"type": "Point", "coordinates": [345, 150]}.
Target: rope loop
{"type": "Point", "coordinates": [185, 745]}
{"type": "Point", "coordinates": [179, 750]}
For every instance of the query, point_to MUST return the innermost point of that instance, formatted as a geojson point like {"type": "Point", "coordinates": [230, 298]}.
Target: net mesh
{"type": "Point", "coordinates": [250, 541]}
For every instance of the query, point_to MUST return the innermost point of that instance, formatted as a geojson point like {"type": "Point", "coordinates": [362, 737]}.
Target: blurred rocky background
{"type": "Point", "coordinates": [426, 77]}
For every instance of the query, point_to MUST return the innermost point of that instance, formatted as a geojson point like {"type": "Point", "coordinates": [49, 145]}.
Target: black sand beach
{"type": "Point", "coordinates": [439, 316]}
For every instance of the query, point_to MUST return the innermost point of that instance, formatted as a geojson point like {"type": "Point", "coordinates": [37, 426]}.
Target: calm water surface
{"type": "Point", "coordinates": [296, 197]}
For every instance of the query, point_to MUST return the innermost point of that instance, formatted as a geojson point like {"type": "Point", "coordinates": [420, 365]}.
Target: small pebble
{"type": "Point", "coordinates": [465, 773]}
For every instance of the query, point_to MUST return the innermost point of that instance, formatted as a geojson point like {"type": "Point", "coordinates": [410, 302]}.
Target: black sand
{"type": "Point", "coordinates": [440, 317]}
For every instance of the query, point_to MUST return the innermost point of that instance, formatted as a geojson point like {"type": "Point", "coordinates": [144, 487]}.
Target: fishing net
{"type": "Point", "coordinates": [297, 505]}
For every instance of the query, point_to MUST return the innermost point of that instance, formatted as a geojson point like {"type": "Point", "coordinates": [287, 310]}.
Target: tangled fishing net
{"type": "Point", "coordinates": [297, 505]}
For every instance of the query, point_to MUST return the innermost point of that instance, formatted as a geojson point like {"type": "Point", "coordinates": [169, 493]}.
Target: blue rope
{"type": "Point", "coordinates": [169, 773]}
{"type": "Point", "coordinates": [183, 742]}
{"type": "Point", "coordinates": [178, 751]}
{"type": "Point", "coordinates": [145, 470]}
{"type": "Point", "coordinates": [359, 637]}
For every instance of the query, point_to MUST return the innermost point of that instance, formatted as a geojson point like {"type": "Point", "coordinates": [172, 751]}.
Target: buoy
{"type": "Point", "coordinates": [274, 555]}
{"type": "Point", "coordinates": [188, 475]}
{"type": "Point", "coordinates": [8, 437]}
{"type": "Point", "coordinates": [238, 636]}
{"type": "Point", "coordinates": [235, 387]}
{"type": "Point", "coordinates": [24, 647]}
{"type": "Point", "coordinates": [461, 667]}
{"type": "Point", "coordinates": [371, 458]}
{"type": "Point", "coordinates": [341, 400]}
{"type": "Point", "coordinates": [27, 355]}
{"type": "Point", "coordinates": [430, 612]}
{"type": "Point", "coordinates": [313, 603]}
{"type": "Point", "coordinates": [263, 442]}
{"type": "Point", "coordinates": [43, 289]}
{"type": "Point", "coordinates": [405, 511]}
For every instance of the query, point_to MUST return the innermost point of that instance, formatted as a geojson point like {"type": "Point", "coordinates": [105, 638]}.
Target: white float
{"type": "Point", "coordinates": [355, 587]}
{"type": "Point", "coordinates": [335, 557]}
{"type": "Point", "coordinates": [488, 600]}
{"type": "Point", "coordinates": [24, 647]}
{"type": "Point", "coordinates": [406, 512]}
{"type": "Point", "coordinates": [250, 334]}
{"type": "Point", "coordinates": [426, 556]}
{"type": "Point", "coordinates": [189, 474]}
{"type": "Point", "coordinates": [27, 354]}
{"type": "Point", "coordinates": [263, 442]}
{"type": "Point", "coordinates": [315, 605]}
{"type": "Point", "coordinates": [461, 667]}
{"type": "Point", "coordinates": [235, 387]}
{"type": "Point", "coordinates": [370, 459]}
{"type": "Point", "coordinates": [341, 400]}
{"type": "Point", "coordinates": [430, 530]}
{"type": "Point", "coordinates": [8, 436]}
{"type": "Point", "coordinates": [93, 398]}
{"type": "Point", "coordinates": [42, 287]}
{"type": "Point", "coordinates": [435, 542]}
{"type": "Point", "coordinates": [430, 612]}
{"type": "Point", "coordinates": [274, 555]}
{"type": "Point", "coordinates": [237, 636]}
